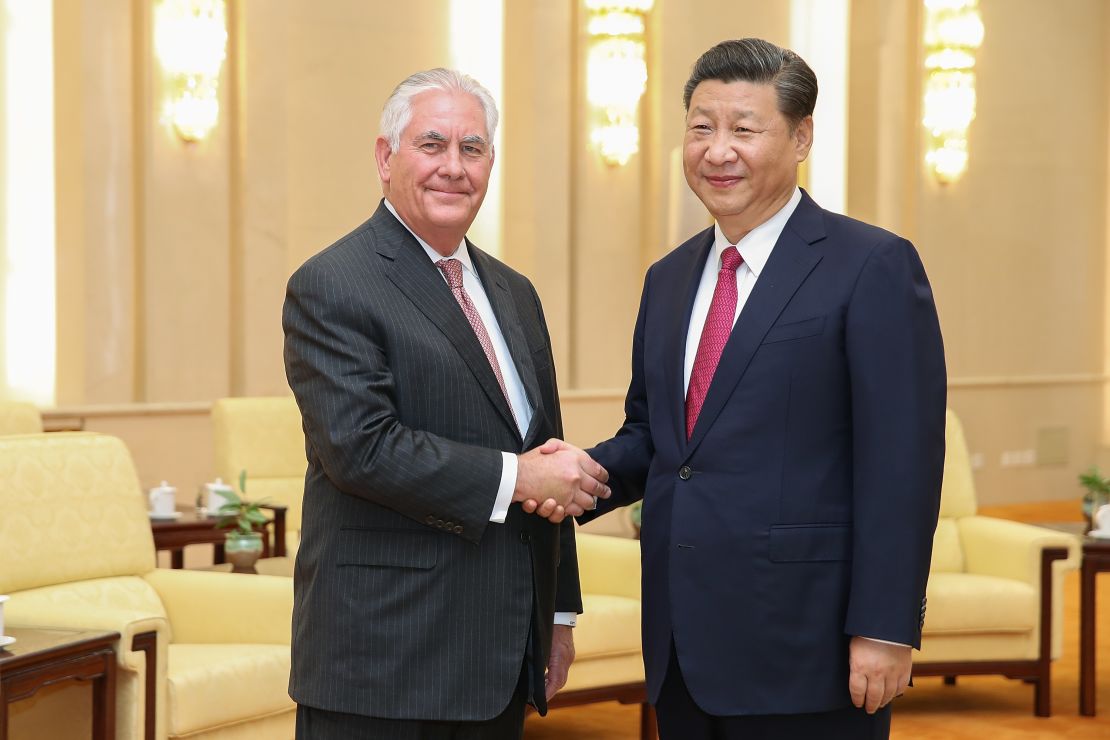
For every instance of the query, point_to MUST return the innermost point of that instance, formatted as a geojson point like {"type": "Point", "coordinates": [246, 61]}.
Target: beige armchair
{"type": "Point", "coordinates": [264, 437]}
{"type": "Point", "coordinates": [608, 663]}
{"type": "Point", "coordinates": [17, 417]}
{"type": "Point", "coordinates": [201, 654]}
{"type": "Point", "coordinates": [995, 594]}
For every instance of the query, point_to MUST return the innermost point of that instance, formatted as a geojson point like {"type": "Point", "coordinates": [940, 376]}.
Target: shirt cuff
{"type": "Point", "coordinates": [505, 489]}
{"type": "Point", "coordinates": [570, 619]}
{"type": "Point", "coordinates": [885, 642]}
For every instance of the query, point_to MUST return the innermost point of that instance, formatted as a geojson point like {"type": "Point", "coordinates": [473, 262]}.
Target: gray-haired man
{"type": "Point", "coordinates": [426, 595]}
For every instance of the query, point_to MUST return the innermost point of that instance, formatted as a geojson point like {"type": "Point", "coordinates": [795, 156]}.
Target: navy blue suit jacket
{"type": "Point", "coordinates": [802, 509]}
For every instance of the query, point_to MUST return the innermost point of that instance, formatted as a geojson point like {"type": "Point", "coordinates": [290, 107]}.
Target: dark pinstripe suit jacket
{"type": "Point", "coordinates": [409, 603]}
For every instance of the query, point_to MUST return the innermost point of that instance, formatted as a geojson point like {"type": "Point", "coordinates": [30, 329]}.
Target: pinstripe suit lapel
{"type": "Point", "coordinates": [508, 318]}
{"type": "Point", "coordinates": [415, 276]}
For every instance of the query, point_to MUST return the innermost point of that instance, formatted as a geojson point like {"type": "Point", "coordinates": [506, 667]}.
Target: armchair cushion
{"type": "Point", "coordinates": [264, 437]}
{"type": "Point", "coordinates": [250, 608]}
{"type": "Point", "coordinates": [213, 685]}
{"type": "Point", "coordinates": [967, 603]}
{"type": "Point", "coordinates": [81, 489]}
{"type": "Point", "coordinates": [607, 638]}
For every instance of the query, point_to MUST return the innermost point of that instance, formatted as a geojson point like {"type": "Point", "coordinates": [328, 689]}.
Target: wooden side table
{"type": "Point", "coordinates": [194, 529]}
{"type": "Point", "coordinates": [1096, 559]}
{"type": "Point", "coordinates": [42, 657]}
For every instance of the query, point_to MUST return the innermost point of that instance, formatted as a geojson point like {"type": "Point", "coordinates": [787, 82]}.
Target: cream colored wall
{"type": "Point", "coordinates": [173, 259]}
{"type": "Point", "coordinates": [1016, 249]}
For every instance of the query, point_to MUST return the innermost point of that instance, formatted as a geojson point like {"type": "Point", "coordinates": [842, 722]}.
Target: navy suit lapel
{"type": "Point", "coordinates": [791, 261]}
{"type": "Point", "coordinates": [418, 278]}
{"type": "Point", "coordinates": [691, 258]}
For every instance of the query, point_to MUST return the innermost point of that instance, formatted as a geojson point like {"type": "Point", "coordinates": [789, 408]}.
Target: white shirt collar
{"type": "Point", "coordinates": [461, 253]}
{"type": "Point", "coordinates": [756, 246]}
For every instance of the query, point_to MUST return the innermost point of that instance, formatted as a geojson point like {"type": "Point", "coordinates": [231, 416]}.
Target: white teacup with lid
{"type": "Point", "coordinates": [1102, 521]}
{"type": "Point", "coordinates": [163, 500]}
{"type": "Point", "coordinates": [2, 600]}
{"type": "Point", "coordinates": [216, 497]}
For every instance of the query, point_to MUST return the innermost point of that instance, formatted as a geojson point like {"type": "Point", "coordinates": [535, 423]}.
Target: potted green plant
{"type": "Point", "coordinates": [241, 517]}
{"type": "Point", "coordinates": [1098, 493]}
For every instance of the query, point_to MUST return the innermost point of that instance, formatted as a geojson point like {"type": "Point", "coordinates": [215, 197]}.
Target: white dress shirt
{"type": "Point", "coordinates": [755, 248]}
{"type": "Point", "coordinates": [518, 399]}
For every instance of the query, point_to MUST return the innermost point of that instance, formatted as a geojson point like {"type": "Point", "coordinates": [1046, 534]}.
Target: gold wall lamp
{"type": "Point", "coordinates": [616, 75]}
{"type": "Point", "coordinates": [190, 41]}
{"type": "Point", "coordinates": [953, 33]}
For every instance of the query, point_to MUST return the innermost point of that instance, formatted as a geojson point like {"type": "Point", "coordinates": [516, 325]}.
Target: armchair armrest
{"type": "Point", "coordinates": [1007, 549]}
{"type": "Point", "coordinates": [608, 565]}
{"type": "Point", "coordinates": [206, 607]}
{"type": "Point", "coordinates": [65, 607]}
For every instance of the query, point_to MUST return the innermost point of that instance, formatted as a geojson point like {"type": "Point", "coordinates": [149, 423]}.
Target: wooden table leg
{"type": "Point", "coordinates": [3, 715]}
{"type": "Point", "coordinates": [177, 558]}
{"type": "Point", "coordinates": [1087, 638]}
{"type": "Point", "coordinates": [218, 555]}
{"type": "Point", "coordinates": [104, 701]}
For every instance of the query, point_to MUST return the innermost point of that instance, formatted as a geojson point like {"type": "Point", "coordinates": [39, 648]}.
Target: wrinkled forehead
{"type": "Point", "coordinates": [447, 116]}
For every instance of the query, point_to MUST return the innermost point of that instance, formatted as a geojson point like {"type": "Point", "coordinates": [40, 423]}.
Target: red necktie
{"type": "Point", "coordinates": [452, 269]}
{"type": "Point", "coordinates": [718, 325]}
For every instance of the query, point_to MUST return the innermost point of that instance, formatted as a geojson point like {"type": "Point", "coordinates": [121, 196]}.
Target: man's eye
{"type": "Point", "coordinates": [743, 130]}
{"type": "Point", "coordinates": [430, 146]}
{"type": "Point", "coordinates": [700, 127]}
{"type": "Point", "coordinates": [472, 151]}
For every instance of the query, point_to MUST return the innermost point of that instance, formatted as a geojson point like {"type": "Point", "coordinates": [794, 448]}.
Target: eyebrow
{"type": "Point", "coordinates": [433, 135]}
{"type": "Point", "coordinates": [474, 139]}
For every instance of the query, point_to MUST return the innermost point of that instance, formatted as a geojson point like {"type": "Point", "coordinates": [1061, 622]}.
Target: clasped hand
{"type": "Point", "coordinates": [557, 480]}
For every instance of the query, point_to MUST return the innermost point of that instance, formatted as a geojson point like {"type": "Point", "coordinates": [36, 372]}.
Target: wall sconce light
{"type": "Point", "coordinates": [616, 75]}
{"type": "Point", "coordinates": [190, 39]}
{"type": "Point", "coordinates": [953, 33]}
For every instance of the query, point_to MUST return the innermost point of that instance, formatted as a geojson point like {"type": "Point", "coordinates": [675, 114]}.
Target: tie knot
{"type": "Point", "coordinates": [452, 270]}
{"type": "Point", "coordinates": [731, 259]}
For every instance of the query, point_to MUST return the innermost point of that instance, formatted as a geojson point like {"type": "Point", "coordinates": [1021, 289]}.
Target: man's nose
{"type": "Point", "coordinates": [720, 150]}
{"type": "Point", "coordinates": [451, 164]}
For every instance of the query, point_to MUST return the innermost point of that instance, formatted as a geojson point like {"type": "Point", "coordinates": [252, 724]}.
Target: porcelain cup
{"type": "Point", "coordinates": [163, 499]}
{"type": "Point", "coordinates": [1102, 519]}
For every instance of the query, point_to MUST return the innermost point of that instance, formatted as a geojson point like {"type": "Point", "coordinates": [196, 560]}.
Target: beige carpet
{"type": "Point", "coordinates": [977, 708]}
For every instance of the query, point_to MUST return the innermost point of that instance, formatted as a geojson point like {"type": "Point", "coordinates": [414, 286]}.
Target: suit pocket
{"type": "Point", "coordinates": [795, 330]}
{"type": "Point", "coordinates": [800, 543]}
{"type": "Point", "coordinates": [392, 548]}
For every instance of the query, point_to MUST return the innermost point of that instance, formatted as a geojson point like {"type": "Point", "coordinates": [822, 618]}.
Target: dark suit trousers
{"type": "Point", "coordinates": [680, 718]}
{"type": "Point", "coordinates": [320, 724]}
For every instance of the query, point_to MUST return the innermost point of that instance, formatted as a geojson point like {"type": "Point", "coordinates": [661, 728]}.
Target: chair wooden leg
{"type": "Point", "coordinates": [648, 728]}
{"type": "Point", "coordinates": [949, 680]}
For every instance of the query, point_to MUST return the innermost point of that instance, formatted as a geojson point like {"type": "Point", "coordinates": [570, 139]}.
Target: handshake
{"type": "Point", "coordinates": [557, 480]}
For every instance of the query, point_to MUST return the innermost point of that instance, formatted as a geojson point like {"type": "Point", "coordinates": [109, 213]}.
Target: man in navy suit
{"type": "Point", "coordinates": [785, 430]}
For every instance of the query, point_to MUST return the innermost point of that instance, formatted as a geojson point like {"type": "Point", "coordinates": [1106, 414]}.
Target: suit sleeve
{"type": "Point", "coordinates": [340, 375]}
{"type": "Point", "coordinates": [898, 386]}
{"type": "Point", "coordinates": [627, 456]}
{"type": "Point", "coordinates": [568, 588]}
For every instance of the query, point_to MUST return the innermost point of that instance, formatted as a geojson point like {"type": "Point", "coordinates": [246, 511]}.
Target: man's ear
{"type": "Point", "coordinates": [382, 153]}
{"type": "Point", "coordinates": [803, 138]}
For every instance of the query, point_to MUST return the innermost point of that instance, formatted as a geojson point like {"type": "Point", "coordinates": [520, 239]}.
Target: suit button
{"type": "Point", "coordinates": [458, 529]}
{"type": "Point", "coordinates": [684, 472]}
{"type": "Point", "coordinates": [430, 520]}
{"type": "Point", "coordinates": [448, 525]}
{"type": "Point", "coordinates": [439, 523]}
{"type": "Point", "coordinates": [524, 537]}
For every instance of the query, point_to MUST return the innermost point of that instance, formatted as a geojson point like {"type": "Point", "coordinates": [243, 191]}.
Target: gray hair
{"type": "Point", "coordinates": [760, 62]}
{"type": "Point", "coordinates": [398, 108]}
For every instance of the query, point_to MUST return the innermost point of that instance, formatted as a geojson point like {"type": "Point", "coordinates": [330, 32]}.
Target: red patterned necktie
{"type": "Point", "coordinates": [452, 269]}
{"type": "Point", "coordinates": [718, 325]}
